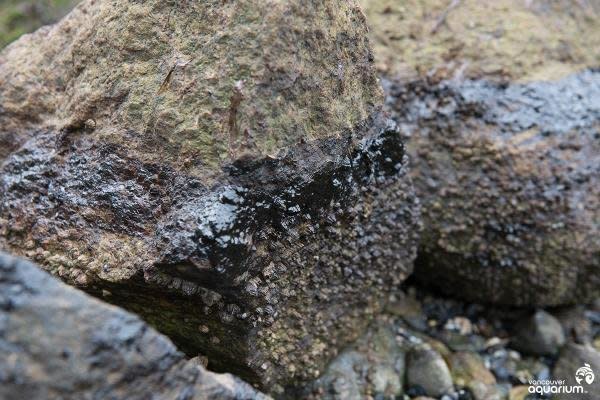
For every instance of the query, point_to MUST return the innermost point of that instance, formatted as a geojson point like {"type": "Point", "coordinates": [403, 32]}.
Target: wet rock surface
{"type": "Point", "coordinates": [508, 178]}
{"type": "Point", "coordinates": [500, 102]}
{"type": "Point", "coordinates": [59, 343]}
{"type": "Point", "coordinates": [237, 186]}
{"type": "Point", "coordinates": [254, 205]}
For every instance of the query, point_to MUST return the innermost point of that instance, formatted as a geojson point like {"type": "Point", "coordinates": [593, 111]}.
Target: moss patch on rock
{"type": "Point", "coordinates": [18, 17]}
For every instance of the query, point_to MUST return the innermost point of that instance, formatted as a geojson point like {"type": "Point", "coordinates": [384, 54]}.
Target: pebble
{"type": "Point", "coordinates": [540, 334]}
{"type": "Point", "coordinates": [428, 370]}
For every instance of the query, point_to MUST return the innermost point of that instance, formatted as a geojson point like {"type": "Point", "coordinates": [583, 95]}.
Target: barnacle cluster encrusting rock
{"type": "Point", "coordinates": [233, 182]}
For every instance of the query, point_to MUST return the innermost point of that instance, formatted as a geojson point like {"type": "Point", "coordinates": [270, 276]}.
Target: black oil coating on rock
{"type": "Point", "coordinates": [59, 343]}
{"type": "Point", "coordinates": [253, 271]}
{"type": "Point", "coordinates": [509, 178]}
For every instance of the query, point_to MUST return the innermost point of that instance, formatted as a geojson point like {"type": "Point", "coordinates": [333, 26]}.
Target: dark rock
{"type": "Point", "coordinates": [416, 392]}
{"type": "Point", "coordinates": [508, 178]}
{"type": "Point", "coordinates": [59, 343]}
{"type": "Point", "coordinates": [539, 334]}
{"type": "Point", "coordinates": [427, 369]}
{"type": "Point", "coordinates": [232, 182]}
{"type": "Point", "coordinates": [578, 365]}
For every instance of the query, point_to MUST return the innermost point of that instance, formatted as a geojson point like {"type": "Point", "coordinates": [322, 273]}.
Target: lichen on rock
{"type": "Point", "coordinates": [206, 81]}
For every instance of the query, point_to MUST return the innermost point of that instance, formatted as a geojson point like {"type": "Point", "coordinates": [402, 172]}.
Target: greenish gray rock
{"type": "Point", "coordinates": [222, 169]}
{"type": "Point", "coordinates": [425, 368]}
{"type": "Point", "coordinates": [18, 17]}
{"type": "Point", "coordinates": [59, 343]}
{"type": "Point", "coordinates": [539, 334]}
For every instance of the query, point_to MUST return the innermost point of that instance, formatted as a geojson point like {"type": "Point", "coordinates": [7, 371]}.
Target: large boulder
{"type": "Point", "coordinates": [509, 178]}
{"type": "Point", "coordinates": [56, 342]}
{"type": "Point", "coordinates": [504, 143]}
{"type": "Point", "coordinates": [222, 169]}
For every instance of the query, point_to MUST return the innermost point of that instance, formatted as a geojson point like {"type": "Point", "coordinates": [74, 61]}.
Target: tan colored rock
{"type": "Point", "coordinates": [509, 39]}
{"type": "Point", "coordinates": [518, 392]}
{"type": "Point", "coordinates": [256, 78]}
{"type": "Point", "coordinates": [468, 370]}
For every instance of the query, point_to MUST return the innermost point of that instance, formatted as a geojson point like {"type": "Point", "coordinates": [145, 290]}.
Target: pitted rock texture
{"type": "Point", "coordinates": [59, 343]}
{"type": "Point", "coordinates": [233, 182]}
{"type": "Point", "coordinates": [205, 82]}
{"type": "Point", "coordinates": [509, 178]}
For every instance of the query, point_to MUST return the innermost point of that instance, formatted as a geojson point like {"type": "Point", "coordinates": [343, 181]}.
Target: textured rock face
{"type": "Point", "coordinates": [500, 100]}
{"type": "Point", "coordinates": [149, 74]}
{"type": "Point", "coordinates": [508, 178]}
{"type": "Point", "coordinates": [57, 342]}
{"type": "Point", "coordinates": [233, 182]}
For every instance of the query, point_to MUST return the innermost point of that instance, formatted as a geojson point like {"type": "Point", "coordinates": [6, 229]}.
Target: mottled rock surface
{"type": "Point", "coordinates": [59, 343]}
{"type": "Point", "coordinates": [501, 103]}
{"type": "Point", "coordinates": [233, 182]}
{"type": "Point", "coordinates": [509, 180]}
{"type": "Point", "coordinates": [468, 370]}
{"type": "Point", "coordinates": [427, 369]}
